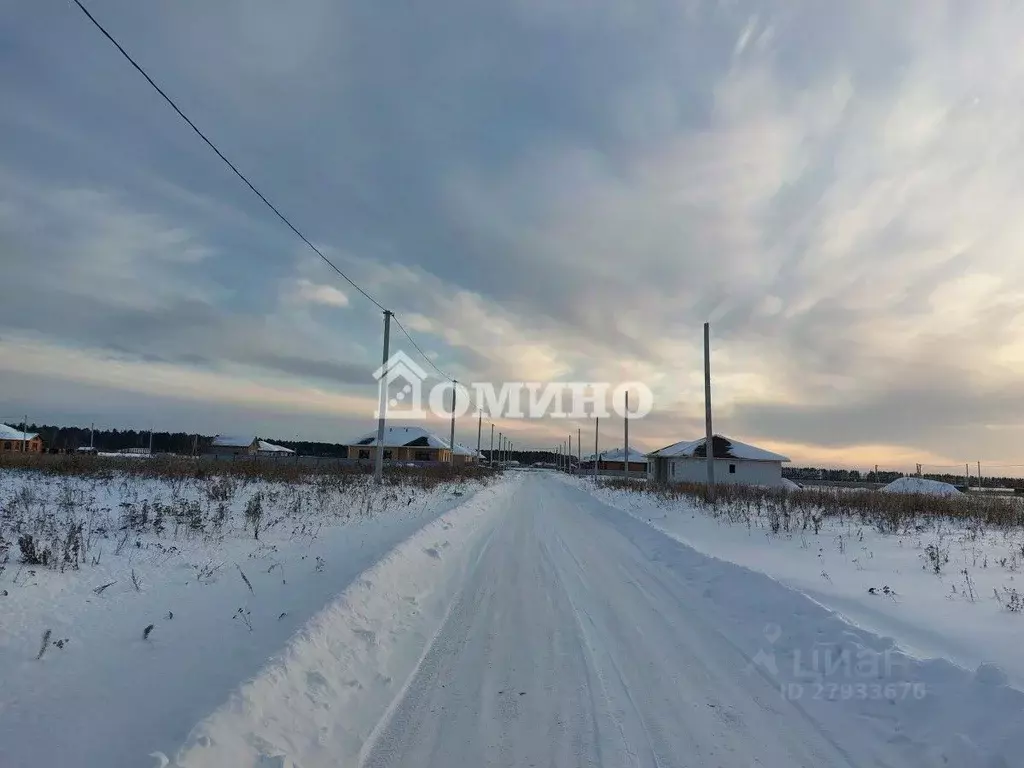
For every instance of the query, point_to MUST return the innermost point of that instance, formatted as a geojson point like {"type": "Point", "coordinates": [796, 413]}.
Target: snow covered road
{"type": "Point", "coordinates": [575, 643]}
{"type": "Point", "coordinates": [537, 626]}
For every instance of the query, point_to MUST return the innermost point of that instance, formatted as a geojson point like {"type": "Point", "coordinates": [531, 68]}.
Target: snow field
{"type": "Point", "coordinates": [220, 603]}
{"type": "Point", "coordinates": [929, 670]}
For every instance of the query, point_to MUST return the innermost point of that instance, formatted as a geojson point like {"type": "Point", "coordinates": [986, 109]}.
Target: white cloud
{"type": "Point", "coordinates": [303, 291]}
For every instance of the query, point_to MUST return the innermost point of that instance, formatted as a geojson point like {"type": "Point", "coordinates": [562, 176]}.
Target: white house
{"type": "Point", "coordinates": [735, 462]}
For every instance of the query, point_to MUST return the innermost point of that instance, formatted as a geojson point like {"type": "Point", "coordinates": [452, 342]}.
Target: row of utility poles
{"type": "Point", "coordinates": [563, 452]}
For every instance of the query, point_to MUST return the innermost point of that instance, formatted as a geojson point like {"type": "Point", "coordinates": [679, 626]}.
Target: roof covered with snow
{"type": "Point", "coordinates": [265, 447]}
{"type": "Point", "coordinates": [10, 433]}
{"type": "Point", "coordinates": [724, 448]}
{"type": "Point", "coordinates": [616, 454]}
{"type": "Point", "coordinates": [397, 437]}
{"type": "Point", "coordinates": [233, 441]}
{"type": "Point", "coordinates": [920, 485]}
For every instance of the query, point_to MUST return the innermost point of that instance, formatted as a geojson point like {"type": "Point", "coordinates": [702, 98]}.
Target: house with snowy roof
{"type": "Point", "coordinates": [15, 441]}
{"type": "Point", "coordinates": [735, 462]}
{"type": "Point", "coordinates": [410, 444]}
{"type": "Point", "coordinates": [233, 445]}
{"type": "Point", "coordinates": [613, 461]}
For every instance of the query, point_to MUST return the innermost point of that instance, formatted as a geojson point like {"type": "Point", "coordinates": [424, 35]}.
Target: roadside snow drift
{"type": "Point", "coordinates": [920, 485]}
{"type": "Point", "coordinates": [318, 703]}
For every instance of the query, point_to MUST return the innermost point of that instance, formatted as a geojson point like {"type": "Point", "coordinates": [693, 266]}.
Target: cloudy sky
{"type": "Point", "coordinates": [541, 189]}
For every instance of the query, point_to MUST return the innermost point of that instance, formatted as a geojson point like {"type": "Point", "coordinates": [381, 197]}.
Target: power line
{"type": "Point", "coordinates": [250, 185]}
{"type": "Point", "coordinates": [420, 350]}
{"type": "Point", "coordinates": [220, 154]}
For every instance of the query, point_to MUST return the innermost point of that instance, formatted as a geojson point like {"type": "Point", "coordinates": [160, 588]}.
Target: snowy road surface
{"type": "Point", "coordinates": [537, 626]}
{"type": "Point", "coordinates": [576, 642]}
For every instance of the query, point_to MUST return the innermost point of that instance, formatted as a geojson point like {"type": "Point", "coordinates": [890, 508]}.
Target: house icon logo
{"type": "Point", "coordinates": [400, 380]}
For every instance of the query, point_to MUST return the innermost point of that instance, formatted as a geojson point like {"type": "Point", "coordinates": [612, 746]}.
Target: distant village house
{"type": "Point", "coordinates": [15, 441]}
{"type": "Point", "coordinates": [227, 445]}
{"type": "Point", "coordinates": [410, 444]}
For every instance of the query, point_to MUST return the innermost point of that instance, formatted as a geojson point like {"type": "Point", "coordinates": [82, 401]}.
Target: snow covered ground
{"type": "Point", "coordinates": [523, 623]}
{"type": "Point", "coordinates": [943, 589]}
{"type": "Point", "coordinates": [220, 603]}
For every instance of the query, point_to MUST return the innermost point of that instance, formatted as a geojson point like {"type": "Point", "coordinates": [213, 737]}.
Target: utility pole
{"type": "Point", "coordinates": [500, 443]}
{"type": "Point", "coordinates": [451, 440]}
{"type": "Point", "coordinates": [92, 431]}
{"type": "Point", "coordinates": [979, 476]}
{"type": "Point", "coordinates": [597, 425]}
{"type": "Point", "coordinates": [570, 452]}
{"type": "Point", "coordinates": [579, 449]}
{"type": "Point", "coordinates": [150, 441]}
{"type": "Point", "coordinates": [479, 428]}
{"type": "Point", "coordinates": [490, 453]}
{"type": "Point", "coordinates": [24, 434]}
{"type": "Point", "coordinates": [709, 434]}
{"type": "Point", "coordinates": [382, 405]}
{"type": "Point", "coordinates": [967, 477]}
{"type": "Point", "coordinates": [625, 438]}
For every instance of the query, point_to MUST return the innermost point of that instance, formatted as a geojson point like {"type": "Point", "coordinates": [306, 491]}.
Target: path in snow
{"type": "Point", "coordinates": [557, 631]}
{"type": "Point", "coordinates": [572, 645]}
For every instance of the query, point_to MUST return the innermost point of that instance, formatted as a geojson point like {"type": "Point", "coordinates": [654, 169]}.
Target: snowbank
{"type": "Point", "coordinates": [321, 700]}
{"type": "Point", "coordinates": [219, 604]}
{"type": "Point", "coordinates": [886, 583]}
{"type": "Point", "coordinates": [933, 711]}
{"type": "Point", "coordinates": [920, 485]}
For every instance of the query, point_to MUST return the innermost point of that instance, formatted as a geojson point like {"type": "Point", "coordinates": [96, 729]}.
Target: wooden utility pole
{"type": "Point", "coordinates": [490, 453]}
{"type": "Point", "coordinates": [967, 477]}
{"type": "Point", "coordinates": [979, 476]}
{"type": "Point", "coordinates": [479, 428]}
{"type": "Point", "coordinates": [709, 432]}
{"type": "Point", "coordinates": [597, 426]}
{"type": "Point", "coordinates": [579, 449]}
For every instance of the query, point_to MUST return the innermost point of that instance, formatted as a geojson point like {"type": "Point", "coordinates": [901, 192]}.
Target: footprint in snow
{"type": "Point", "coordinates": [432, 551]}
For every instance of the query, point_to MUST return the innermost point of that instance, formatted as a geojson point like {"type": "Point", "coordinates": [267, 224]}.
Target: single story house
{"type": "Point", "coordinates": [227, 445]}
{"type": "Point", "coordinates": [402, 444]}
{"type": "Point", "coordinates": [15, 441]}
{"type": "Point", "coordinates": [263, 448]}
{"type": "Point", "coordinates": [613, 461]}
{"type": "Point", "coordinates": [464, 455]}
{"type": "Point", "coordinates": [735, 462]}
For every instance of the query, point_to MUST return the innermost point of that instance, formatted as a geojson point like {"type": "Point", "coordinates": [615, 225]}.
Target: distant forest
{"type": "Point", "coordinates": [811, 474]}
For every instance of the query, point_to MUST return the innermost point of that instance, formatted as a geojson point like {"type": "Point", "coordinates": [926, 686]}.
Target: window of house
{"type": "Point", "coordinates": [732, 469]}
{"type": "Point", "coordinates": [7, 445]}
{"type": "Point", "coordinates": [387, 454]}
{"type": "Point", "coordinates": [673, 465]}
{"type": "Point", "coordinates": [364, 454]}
{"type": "Point", "coordinates": [422, 455]}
